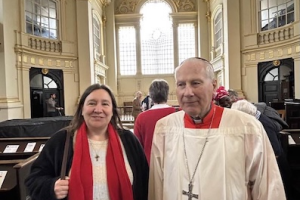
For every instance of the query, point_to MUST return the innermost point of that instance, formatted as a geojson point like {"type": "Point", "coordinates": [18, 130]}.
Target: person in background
{"type": "Point", "coordinates": [145, 122]}
{"type": "Point", "coordinates": [51, 106]}
{"type": "Point", "coordinates": [272, 114]}
{"type": "Point", "coordinates": [104, 160]}
{"type": "Point", "coordinates": [273, 135]}
{"type": "Point", "coordinates": [222, 97]}
{"type": "Point", "coordinates": [271, 130]}
{"type": "Point", "coordinates": [147, 103]}
{"type": "Point", "coordinates": [209, 152]}
{"type": "Point", "coordinates": [136, 105]}
{"type": "Point", "coordinates": [233, 95]}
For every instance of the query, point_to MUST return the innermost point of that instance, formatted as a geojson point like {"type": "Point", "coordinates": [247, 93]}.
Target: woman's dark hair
{"type": "Point", "coordinates": [159, 91]}
{"type": "Point", "coordinates": [78, 118]}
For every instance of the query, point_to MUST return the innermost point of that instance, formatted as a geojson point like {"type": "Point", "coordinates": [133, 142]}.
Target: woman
{"type": "Point", "coordinates": [145, 122]}
{"type": "Point", "coordinates": [104, 160]}
{"type": "Point", "coordinates": [136, 105]}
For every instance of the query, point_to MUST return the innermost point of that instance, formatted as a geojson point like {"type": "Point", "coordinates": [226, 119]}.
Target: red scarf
{"type": "Point", "coordinates": [81, 180]}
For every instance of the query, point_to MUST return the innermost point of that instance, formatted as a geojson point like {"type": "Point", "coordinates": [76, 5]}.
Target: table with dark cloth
{"type": "Point", "coordinates": [37, 127]}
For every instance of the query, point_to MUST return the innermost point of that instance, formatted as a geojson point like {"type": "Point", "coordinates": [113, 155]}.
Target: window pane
{"type": "Point", "coordinates": [186, 41]}
{"type": "Point", "coordinates": [127, 50]}
{"type": "Point", "coordinates": [52, 23]}
{"type": "Point", "coordinates": [263, 4]}
{"type": "Point", "coordinates": [52, 13]}
{"type": "Point", "coordinates": [278, 13]}
{"type": "Point", "coordinates": [272, 3]}
{"type": "Point", "coordinates": [53, 34]}
{"type": "Point", "coordinates": [97, 39]}
{"type": "Point", "coordinates": [218, 30]}
{"type": "Point", "coordinates": [29, 6]}
{"type": "Point", "coordinates": [42, 17]}
{"type": "Point", "coordinates": [264, 14]}
{"type": "Point", "coordinates": [36, 81]}
{"type": "Point", "coordinates": [272, 12]}
{"type": "Point", "coordinates": [157, 49]}
{"type": "Point", "coordinates": [49, 83]}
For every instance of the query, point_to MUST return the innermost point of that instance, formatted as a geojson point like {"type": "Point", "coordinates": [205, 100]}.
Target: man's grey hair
{"type": "Point", "coordinates": [244, 106]}
{"type": "Point", "coordinates": [209, 67]}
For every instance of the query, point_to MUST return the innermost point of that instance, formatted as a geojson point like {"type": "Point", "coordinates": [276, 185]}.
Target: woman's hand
{"type": "Point", "coordinates": [61, 188]}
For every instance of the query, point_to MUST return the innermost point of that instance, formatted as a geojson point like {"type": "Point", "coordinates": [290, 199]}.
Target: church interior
{"type": "Point", "coordinates": [63, 46]}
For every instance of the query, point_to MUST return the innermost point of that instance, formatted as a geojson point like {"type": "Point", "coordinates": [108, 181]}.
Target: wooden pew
{"type": "Point", "coordinates": [290, 140]}
{"type": "Point", "coordinates": [22, 143]}
{"type": "Point", "coordinates": [13, 187]}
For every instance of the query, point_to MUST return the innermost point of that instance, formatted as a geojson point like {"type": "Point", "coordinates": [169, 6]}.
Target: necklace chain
{"type": "Point", "coordinates": [94, 150]}
{"type": "Point", "coordinates": [185, 154]}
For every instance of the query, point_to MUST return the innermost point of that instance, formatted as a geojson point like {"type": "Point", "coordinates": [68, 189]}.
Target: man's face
{"type": "Point", "coordinates": [53, 96]}
{"type": "Point", "coordinates": [194, 89]}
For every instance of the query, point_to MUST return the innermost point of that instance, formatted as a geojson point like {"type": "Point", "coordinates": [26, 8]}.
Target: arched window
{"type": "Point", "coordinates": [275, 13]}
{"type": "Point", "coordinates": [156, 38]}
{"type": "Point", "coordinates": [127, 50]}
{"type": "Point", "coordinates": [42, 18]}
{"type": "Point", "coordinates": [218, 30]}
{"type": "Point", "coordinates": [272, 75]}
{"type": "Point", "coordinates": [186, 41]}
{"type": "Point", "coordinates": [97, 36]}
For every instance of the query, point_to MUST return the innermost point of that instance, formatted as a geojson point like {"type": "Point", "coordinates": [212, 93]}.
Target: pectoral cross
{"type": "Point", "coordinates": [97, 157]}
{"type": "Point", "coordinates": [189, 193]}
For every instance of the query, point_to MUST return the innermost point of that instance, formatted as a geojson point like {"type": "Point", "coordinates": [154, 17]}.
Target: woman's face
{"type": "Point", "coordinates": [97, 109]}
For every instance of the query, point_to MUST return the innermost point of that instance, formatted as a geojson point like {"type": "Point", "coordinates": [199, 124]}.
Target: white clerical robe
{"type": "Point", "coordinates": [238, 162]}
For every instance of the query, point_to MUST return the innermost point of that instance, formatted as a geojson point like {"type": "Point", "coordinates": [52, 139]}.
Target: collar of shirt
{"type": "Point", "coordinates": [157, 106]}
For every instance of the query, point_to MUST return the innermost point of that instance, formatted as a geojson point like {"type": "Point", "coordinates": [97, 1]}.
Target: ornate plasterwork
{"type": "Point", "coordinates": [185, 5]}
{"type": "Point", "coordinates": [127, 6]}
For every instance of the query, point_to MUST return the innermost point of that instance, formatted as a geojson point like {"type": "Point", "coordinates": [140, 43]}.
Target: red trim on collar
{"type": "Point", "coordinates": [189, 123]}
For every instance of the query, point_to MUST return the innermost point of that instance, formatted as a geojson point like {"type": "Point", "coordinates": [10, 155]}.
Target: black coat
{"type": "Point", "coordinates": [47, 167]}
{"type": "Point", "coordinates": [272, 133]}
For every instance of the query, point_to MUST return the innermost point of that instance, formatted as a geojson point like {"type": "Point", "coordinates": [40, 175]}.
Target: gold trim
{"type": "Point", "coordinates": [276, 63]}
{"type": "Point", "coordinates": [289, 51]}
{"type": "Point", "coordinates": [58, 63]}
{"type": "Point", "coordinates": [49, 62]}
{"type": "Point", "coordinates": [253, 56]}
{"type": "Point", "coordinates": [271, 54]}
{"type": "Point", "coordinates": [25, 59]}
{"type": "Point", "coordinates": [41, 61]}
{"type": "Point", "coordinates": [32, 60]}
{"type": "Point", "coordinates": [262, 56]}
{"type": "Point", "coordinates": [45, 71]}
{"type": "Point", "coordinates": [9, 100]}
{"type": "Point", "coordinates": [280, 53]}
{"type": "Point", "coordinates": [297, 49]}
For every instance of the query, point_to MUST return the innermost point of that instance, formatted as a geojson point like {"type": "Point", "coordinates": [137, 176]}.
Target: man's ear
{"type": "Point", "coordinates": [214, 82]}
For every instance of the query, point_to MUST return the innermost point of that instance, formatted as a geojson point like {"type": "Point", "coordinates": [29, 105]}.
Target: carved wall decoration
{"type": "Point", "coordinates": [185, 5]}
{"type": "Point", "coordinates": [127, 6]}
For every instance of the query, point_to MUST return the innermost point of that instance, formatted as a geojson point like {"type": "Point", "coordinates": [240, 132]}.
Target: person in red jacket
{"type": "Point", "coordinates": [145, 122]}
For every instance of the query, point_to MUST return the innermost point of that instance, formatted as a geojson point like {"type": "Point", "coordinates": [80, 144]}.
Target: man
{"type": "Point", "coordinates": [145, 123]}
{"type": "Point", "coordinates": [208, 152]}
{"type": "Point", "coordinates": [51, 106]}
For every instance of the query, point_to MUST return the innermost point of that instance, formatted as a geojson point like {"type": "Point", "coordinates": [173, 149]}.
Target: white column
{"type": "Point", "coordinates": [111, 49]}
{"type": "Point", "coordinates": [10, 100]}
{"type": "Point", "coordinates": [297, 76]}
{"type": "Point", "coordinates": [203, 26]}
{"type": "Point", "coordinates": [232, 38]}
{"type": "Point", "coordinates": [85, 44]}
